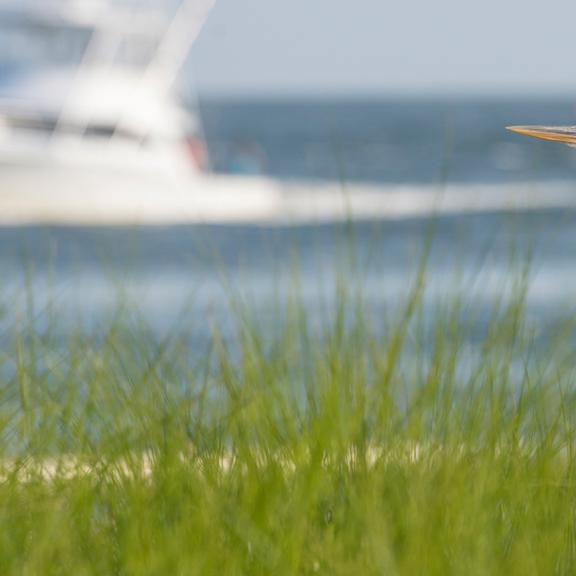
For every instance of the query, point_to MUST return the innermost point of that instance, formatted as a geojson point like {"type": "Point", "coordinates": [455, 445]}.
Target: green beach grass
{"type": "Point", "coordinates": [347, 449]}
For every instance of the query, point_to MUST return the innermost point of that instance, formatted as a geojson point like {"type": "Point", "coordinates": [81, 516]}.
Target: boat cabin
{"type": "Point", "coordinates": [95, 73]}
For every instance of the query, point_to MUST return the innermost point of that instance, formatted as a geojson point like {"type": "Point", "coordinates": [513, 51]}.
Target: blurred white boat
{"type": "Point", "coordinates": [90, 127]}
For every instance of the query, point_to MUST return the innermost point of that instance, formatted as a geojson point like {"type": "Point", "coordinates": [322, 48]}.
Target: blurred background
{"type": "Point", "coordinates": [154, 148]}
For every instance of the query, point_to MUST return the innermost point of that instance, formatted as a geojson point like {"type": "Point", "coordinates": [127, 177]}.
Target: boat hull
{"type": "Point", "coordinates": [102, 196]}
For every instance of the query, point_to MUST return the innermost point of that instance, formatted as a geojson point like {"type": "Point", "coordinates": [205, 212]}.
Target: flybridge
{"type": "Point", "coordinates": [98, 72]}
{"type": "Point", "coordinates": [102, 11]}
{"type": "Point", "coordinates": [140, 32]}
{"type": "Point", "coordinates": [142, 19]}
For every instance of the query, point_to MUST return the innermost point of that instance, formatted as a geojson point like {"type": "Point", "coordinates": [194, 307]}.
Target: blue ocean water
{"type": "Point", "coordinates": [409, 141]}
{"type": "Point", "coordinates": [84, 273]}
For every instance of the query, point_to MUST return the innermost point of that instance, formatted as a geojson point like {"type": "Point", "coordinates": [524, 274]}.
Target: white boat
{"type": "Point", "coordinates": [91, 130]}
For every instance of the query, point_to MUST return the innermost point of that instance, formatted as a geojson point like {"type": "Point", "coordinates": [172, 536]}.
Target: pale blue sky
{"type": "Point", "coordinates": [375, 47]}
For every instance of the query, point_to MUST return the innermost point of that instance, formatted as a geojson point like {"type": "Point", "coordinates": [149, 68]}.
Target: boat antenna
{"type": "Point", "coordinates": [174, 47]}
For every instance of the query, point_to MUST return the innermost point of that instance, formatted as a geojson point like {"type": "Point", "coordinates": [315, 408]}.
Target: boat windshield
{"type": "Point", "coordinates": [33, 45]}
{"type": "Point", "coordinates": [30, 45]}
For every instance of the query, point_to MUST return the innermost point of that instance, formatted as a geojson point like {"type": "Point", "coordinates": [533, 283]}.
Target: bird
{"type": "Point", "coordinates": [563, 134]}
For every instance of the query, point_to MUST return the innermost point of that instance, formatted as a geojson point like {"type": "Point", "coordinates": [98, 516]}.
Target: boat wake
{"type": "Point", "coordinates": [332, 202]}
